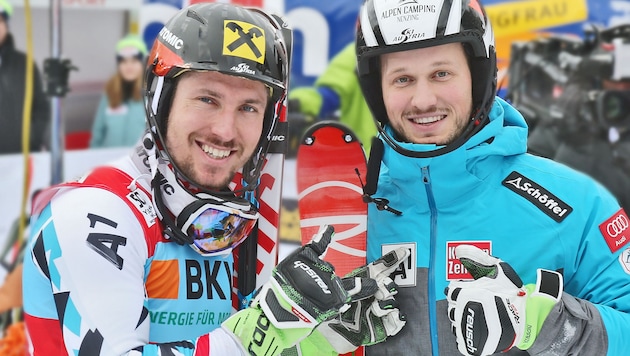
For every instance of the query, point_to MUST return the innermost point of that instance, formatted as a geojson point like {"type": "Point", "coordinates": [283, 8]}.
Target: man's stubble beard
{"type": "Point", "coordinates": [196, 179]}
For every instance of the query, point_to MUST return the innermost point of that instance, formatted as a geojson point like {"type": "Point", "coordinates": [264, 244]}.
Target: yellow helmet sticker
{"type": "Point", "coordinates": [244, 40]}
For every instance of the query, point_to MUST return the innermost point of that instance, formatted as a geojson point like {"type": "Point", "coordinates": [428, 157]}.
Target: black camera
{"type": "Point", "coordinates": [612, 107]}
{"type": "Point", "coordinates": [562, 80]}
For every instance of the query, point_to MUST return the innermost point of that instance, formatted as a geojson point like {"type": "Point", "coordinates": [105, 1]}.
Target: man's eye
{"type": "Point", "coordinates": [206, 100]}
{"type": "Point", "coordinates": [402, 80]}
{"type": "Point", "coordinates": [249, 108]}
{"type": "Point", "coordinates": [441, 74]}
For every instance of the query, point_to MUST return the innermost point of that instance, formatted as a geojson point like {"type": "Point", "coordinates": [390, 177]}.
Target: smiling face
{"type": "Point", "coordinates": [214, 125]}
{"type": "Point", "coordinates": [427, 93]}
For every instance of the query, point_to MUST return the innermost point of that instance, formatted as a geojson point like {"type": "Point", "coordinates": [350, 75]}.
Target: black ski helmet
{"type": "Point", "coordinates": [387, 26]}
{"type": "Point", "coordinates": [244, 42]}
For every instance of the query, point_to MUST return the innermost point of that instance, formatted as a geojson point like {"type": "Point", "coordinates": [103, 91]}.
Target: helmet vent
{"type": "Point", "coordinates": [193, 14]}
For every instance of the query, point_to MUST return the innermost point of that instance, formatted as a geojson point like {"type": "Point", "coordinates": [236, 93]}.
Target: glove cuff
{"type": "Point", "coordinates": [317, 344]}
{"type": "Point", "coordinates": [541, 298]}
{"type": "Point", "coordinates": [258, 335]}
{"type": "Point", "coordinates": [333, 340]}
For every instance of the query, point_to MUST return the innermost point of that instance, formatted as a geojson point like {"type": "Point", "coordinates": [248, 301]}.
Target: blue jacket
{"type": "Point", "coordinates": [529, 211]}
{"type": "Point", "coordinates": [119, 127]}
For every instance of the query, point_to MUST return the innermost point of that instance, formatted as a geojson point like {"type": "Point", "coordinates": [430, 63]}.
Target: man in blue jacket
{"type": "Point", "coordinates": [457, 187]}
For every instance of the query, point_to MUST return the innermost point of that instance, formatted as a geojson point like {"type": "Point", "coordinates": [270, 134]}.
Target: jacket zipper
{"type": "Point", "coordinates": [431, 277]}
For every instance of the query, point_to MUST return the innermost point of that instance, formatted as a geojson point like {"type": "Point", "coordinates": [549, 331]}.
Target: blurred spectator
{"type": "Point", "coordinates": [119, 119]}
{"type": "Point", "coordinates": [12, 93]}
{"type": "Point", "coordinates": [337, 89]}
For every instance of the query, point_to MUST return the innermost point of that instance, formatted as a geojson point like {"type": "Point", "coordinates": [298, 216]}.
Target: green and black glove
{"type": "Point", "coordinates": [495, 312]}
{"type": "Point", "coordinates": [303, 292]}
{"type": "Point", "coordinates": [371, 318]}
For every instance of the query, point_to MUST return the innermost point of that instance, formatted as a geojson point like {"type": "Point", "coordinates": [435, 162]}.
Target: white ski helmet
{"type": "Point", "coordinates": [387, 26]}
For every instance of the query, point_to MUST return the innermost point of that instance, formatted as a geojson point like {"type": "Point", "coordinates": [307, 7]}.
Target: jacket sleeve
{"type": "Point", "coordinates": [594, 313]}
{"type": "Point", "coordinates": [85, 270]}
{"type": "Point", "coordinates": [339, 74]}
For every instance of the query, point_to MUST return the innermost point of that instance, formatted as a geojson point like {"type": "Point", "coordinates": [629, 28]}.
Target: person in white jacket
{"type": "Point", "coordinates": [135, 257]}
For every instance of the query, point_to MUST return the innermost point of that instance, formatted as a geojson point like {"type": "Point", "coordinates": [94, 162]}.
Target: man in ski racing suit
{"type": "Point", "coordinates": [456, 187]}
{"type": "Point", "coordinates": [126, 259]}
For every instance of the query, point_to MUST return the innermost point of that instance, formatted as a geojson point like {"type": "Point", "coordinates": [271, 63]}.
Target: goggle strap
{"type": "Point", "coordinates": [170, 228]}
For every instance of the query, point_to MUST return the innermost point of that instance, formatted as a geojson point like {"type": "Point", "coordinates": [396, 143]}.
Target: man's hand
{"type": "Point", "coordinates": [495, 312]}
{"type": "Point", "coordinates": [373, 314]}
{"type": "Point", "coordinates": [303, 292]}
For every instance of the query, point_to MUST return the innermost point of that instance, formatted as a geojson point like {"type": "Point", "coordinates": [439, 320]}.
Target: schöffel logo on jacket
{"type": "Point", "coordinates": [537, 195]}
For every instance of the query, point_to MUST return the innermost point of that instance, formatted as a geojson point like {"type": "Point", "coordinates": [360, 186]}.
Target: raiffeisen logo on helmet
{"type": "Point", "coordinates": [244, 40]}
{"type": "Point", "coordinates": [539, 196]}
{"type": "Point", "coordinates": [242, 68]}
{"type": "Point", "coordinates": [170, 38]}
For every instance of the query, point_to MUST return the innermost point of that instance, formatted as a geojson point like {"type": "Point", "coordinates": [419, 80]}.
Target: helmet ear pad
{"type": "Point", "coordinates": [158, 120]}
{"type": "Point", "coordinates": [165, 103]}
{"type": "Point", "coordinates": [369, 74]}
{"type": "Point", "coordinates": [483, 73]}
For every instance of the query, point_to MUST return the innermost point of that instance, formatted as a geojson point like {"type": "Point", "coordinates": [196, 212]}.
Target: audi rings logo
{"type": "Point", "coordinates": [615, 230]}
{"type": "Point", "coordinates": [617, 226]}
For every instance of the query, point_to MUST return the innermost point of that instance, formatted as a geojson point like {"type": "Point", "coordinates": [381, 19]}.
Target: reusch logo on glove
{"type": "Point", "coordinates": [616, 230]}
{"type": "Point", "coordinates": [320, 282]}
{"type": "Point", "coordinates": [539, 196]}
{"type": "Point", "coordinates": [474, 320]}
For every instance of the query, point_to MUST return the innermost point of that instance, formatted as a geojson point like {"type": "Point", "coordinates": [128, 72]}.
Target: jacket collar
{"type": "Point", "coordinates": [455, 175]}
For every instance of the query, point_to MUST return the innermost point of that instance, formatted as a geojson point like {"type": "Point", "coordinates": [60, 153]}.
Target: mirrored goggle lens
{"type": "Point", "coordinates": [216, 230]}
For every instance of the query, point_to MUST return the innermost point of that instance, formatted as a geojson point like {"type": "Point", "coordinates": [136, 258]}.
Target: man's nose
{"type": "Point", "coordinates": [423, 95]}
{"type": "Point", "coordinates": [224, 125]}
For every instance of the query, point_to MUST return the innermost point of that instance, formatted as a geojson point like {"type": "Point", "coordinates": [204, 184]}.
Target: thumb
{"type": "Point", "coordinates": [477, 262]}
{"type": "Point", "coordinates": [321, 239]}
{"type": "Point", "coordinates": [480, 264]}
{"type": "Point", "coordinates": [388, 263]}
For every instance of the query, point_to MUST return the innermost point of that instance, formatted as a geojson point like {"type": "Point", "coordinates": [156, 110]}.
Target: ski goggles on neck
{"type": "Point", "coordinates": [216, 227]}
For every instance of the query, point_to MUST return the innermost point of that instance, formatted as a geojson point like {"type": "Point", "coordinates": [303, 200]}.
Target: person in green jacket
{"type": "Point", "coordinates": [119, 119]}
{"type": "Point", "coordinates": [338, 89]}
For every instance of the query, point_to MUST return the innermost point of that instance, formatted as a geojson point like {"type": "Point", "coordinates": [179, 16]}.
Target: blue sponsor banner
{"type": "Point", "coordinates": [153, 15]}
{"type": "Point", "coordinates": [323, 28]}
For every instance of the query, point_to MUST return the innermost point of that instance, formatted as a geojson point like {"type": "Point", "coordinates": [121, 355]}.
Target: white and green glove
{"type": "Point", "coordinates": [495, 312]}
{"type": "Point", "coordinates": [303, 292]}
{"type": "Point", "coordinates": [371, 318]}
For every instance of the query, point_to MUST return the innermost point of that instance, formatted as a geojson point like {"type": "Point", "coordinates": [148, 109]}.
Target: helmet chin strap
{"type": "Point", "coordinates": [170, 227]}
{"type": "Point", "coordinates": [149, 147]}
